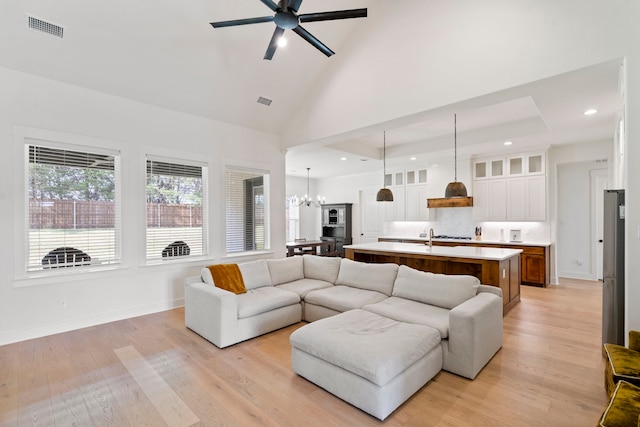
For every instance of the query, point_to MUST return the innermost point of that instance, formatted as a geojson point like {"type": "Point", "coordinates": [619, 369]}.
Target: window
{"type": "Point", "coordinates": [73, 207]}
{"type": "Point", "coordinates": [292, 213]}
{"type": "Point", "coordinates": [247, 210]}
{"type": "Point", "coordinates": [176, 201]}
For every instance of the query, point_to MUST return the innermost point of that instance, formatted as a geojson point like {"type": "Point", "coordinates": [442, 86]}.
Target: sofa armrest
{"type": "Point", "coordinates": [475, 334]}
{"type": "Point", "coordinates": [634, 340]}
{"type": "Point", "coordinates": [211, 312]}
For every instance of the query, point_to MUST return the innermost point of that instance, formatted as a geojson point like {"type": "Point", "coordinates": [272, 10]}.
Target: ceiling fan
{"type": "Point", "coordinates": [287, 18]}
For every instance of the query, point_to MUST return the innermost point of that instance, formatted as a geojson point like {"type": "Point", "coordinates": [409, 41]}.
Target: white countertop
{"type": "Point", "coordinates": [471, 252]}
{"type": "Point", "coordinates": [472, 241]}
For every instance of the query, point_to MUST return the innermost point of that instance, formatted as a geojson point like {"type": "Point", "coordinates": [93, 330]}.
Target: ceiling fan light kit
{"type": "Point", "coordinates": [286, 18]}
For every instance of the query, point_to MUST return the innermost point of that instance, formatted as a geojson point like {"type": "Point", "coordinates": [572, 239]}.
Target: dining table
{"type": "Point", "coordinates": [316, 247]}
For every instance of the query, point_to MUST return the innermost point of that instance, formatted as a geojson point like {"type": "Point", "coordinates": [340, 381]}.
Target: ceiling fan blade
{"type": "Point", "coordinates": [314, 41]}
{"type": "Point", "coordinates": [328, 16]}
{"type": "Point", "coordinates": [294, 5]}
{"type": "Point", "coordinates": [271, 5]}
{"type": "Point", "coordinates": [242, 22]}
{"type": "Point", "coordinates": [273, 44]}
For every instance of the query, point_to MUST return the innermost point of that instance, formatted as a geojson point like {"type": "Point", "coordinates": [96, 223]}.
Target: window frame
{"type": "Point", "coordinates": [266, 184]}
{"type": "Point", "coordinates": [24, 137]}
{"type": "Point", "coordinates": [177, 160]}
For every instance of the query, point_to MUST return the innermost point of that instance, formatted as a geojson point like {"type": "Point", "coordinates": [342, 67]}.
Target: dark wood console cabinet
{"type": "Point", "coordinates": [336, 225]}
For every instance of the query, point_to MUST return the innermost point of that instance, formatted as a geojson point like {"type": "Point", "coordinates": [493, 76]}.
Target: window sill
{"type": "Point", "coordinates": [65, 275]}
{"type": "Point", "coordinates": [248, 255]}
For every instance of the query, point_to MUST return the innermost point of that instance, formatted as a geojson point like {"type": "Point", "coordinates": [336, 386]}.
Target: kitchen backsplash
{"type": "Point", "coordinates": [459, 222]}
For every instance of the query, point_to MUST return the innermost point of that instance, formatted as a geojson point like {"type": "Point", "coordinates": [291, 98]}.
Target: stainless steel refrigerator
{"type": "Point", "coordinates": [613, 268]}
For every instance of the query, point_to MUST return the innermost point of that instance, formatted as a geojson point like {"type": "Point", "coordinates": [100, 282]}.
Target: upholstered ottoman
{"type": "Point", "coordinates": [370, 361]}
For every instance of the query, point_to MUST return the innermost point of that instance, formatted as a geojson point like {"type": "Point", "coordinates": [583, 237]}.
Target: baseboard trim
{"type": "Point", "coordinates": [18, 335]}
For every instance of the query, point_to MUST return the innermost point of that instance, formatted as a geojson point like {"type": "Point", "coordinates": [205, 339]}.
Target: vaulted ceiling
{"type": "Point", "coordinates": [166, 54]}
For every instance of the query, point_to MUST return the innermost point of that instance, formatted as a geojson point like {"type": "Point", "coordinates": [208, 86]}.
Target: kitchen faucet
{"type": "Point", "coordinates": [430, 237]}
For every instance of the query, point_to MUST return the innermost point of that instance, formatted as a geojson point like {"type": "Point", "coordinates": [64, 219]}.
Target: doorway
{"type": "Point", "coordinates": [370, 217]}
{"type": "Point", "coordinates": [599, 183]}
{"type": "Point", "coordinates": [580, 199]}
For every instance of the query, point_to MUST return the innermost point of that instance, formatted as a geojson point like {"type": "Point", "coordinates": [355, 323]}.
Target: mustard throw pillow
{"type": "Point", "coordinates": [228, 277]}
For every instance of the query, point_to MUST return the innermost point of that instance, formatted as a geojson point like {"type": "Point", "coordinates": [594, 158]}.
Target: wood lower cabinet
{"type": "Point", "coordinates": [534, 260]}
{"type": "Point", "coordinates": [535, 265]}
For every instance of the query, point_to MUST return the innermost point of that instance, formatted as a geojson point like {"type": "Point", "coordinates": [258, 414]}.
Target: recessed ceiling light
{"type": "Point", "coordinates": [412, 158]}
{"type": "Point", "coordinates": [343, 158]}
{"type": "Point", "coordinates": [508, 143]}
{"type": "Point", "coordinates": [282, 42]}
{"type": "Point", "coordinates": [590, 111]}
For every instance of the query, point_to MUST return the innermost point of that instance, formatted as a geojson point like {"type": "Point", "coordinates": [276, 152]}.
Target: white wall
{"type": "Point", "coordinates": [33, 106]}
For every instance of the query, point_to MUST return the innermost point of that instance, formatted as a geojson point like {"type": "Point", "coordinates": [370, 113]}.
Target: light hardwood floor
{"type": "Point", "coordinates": [548, 373]}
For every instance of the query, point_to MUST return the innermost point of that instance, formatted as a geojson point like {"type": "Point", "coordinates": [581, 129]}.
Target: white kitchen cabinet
{"type": "Point", "coordinates": [535, 164]}
{"type": "Point", "coordinates": [480, 200]}
{"type": "Point", "coordinates": [536, 207]}
{"type": "Point", "coordinates": [515, 166]}
{"type": "Point", "coordinates": [480, 170]}
{"type": "Point", "coordinates": [511, 189]}
{"type": "Point", "coordinates": [395, 211]}
{"type": "Point", "coordinates": [497, 200]}
{"type": "Point", "coordinates": [416, 177]}
{"type": "Point", "coordinates": [497, 168]}
{"type": "Point", "coordinates": [517, 199]}
{"type": "Point", "coordinates": [416, 203]}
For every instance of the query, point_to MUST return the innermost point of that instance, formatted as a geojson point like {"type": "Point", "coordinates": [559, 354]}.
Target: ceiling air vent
{"type": "Point", "coordinates": [264, 101]}
{"type": "Point", "coordinates": [45, 27]}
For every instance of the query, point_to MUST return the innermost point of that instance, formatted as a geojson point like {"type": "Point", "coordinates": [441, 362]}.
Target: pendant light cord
{"type": "Point", "coordinates": [455, 149]}
{"type": "Point", "coordinates": [384, 159]}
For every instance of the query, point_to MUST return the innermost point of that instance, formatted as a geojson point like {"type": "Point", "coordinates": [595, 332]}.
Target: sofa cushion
{"type": "Point", "coordinates": [622, 364]}
{"type": "Point", "coordinates": [321, 267]}
{"type": "Point", "coordinates": [285, 270]}
{"type": "Point", "coordinates": [406, 310]}
{"type": "Point", "coordinates": [264, 299]}
{"type": "Point", "coordinates": [343, 298]}
{"type": "Point", "coordinates": [303, 286]}
{"type": "Point", "coordinates": [228, 277]}
{"type": "Point", "coordinates": [255, 274]}
{"type": "Point", "coordinates": [442, 290]}
{"type": "Point", "coordinates": [623, 408]}
{"type": "Point", "coordinates": [373, 277]}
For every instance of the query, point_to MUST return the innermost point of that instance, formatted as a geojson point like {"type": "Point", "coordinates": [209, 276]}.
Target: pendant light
{"type": "Point", "coordinates": [455, 188]}
{"type": "Point", "coordinates": [384, 194]}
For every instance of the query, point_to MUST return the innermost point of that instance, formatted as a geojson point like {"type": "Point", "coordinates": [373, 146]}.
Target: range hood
{"type": "Point", "coordinates": [450, 202]}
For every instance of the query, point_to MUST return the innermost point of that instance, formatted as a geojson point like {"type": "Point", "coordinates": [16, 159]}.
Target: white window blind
{"type": "Point", "coordinates": [72, 206]}
{"type": "Point", "coordinates": [176, 209]}
{"type": "Point", "coordinates": [246, 210]}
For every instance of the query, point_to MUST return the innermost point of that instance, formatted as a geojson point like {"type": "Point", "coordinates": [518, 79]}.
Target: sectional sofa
{"type": "Point", "coordinates": [280, 292]}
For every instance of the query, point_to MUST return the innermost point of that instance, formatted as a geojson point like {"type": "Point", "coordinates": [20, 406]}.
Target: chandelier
{"type": "Point", "coordinates": [306, 200]}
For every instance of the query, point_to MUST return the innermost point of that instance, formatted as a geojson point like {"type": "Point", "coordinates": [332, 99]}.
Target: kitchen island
{"type": "Point", "coordinates": [534, 260]}
{"type": "Point", "coordinates": [493, 266]}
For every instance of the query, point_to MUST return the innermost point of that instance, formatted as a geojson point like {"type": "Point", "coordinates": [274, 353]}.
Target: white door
{"type": "Point", "coordinates": [599, 181]}
{"type": "Point", "coordinates": [370, 217]}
